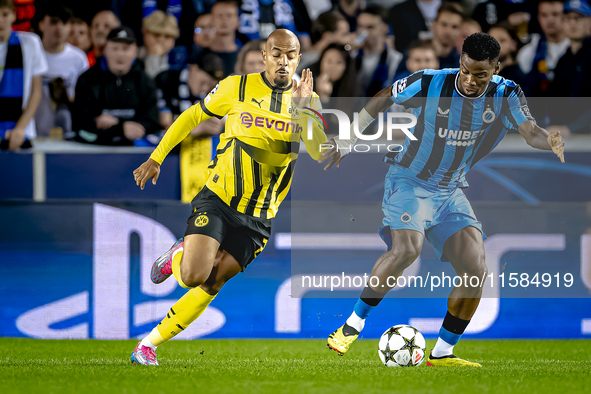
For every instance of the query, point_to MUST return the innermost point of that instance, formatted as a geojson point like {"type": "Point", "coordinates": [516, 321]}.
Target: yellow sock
{"type": "Point", "coordinates": [176, 269]}
{"type": "Point", "coordinates": [183, 313]}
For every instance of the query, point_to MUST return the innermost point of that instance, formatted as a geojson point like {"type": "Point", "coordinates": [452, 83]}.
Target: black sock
{"type": "Point", "coordinates": [455, 325]}
{"type": "Point", "coordinates": [371, 297]}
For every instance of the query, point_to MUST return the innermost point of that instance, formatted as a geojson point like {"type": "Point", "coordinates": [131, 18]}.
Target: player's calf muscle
{"type": "Point", "coordinates": [394, 262]}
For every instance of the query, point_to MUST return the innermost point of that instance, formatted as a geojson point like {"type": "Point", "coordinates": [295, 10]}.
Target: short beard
{"type": "Point", "coordinates": [280, 83]}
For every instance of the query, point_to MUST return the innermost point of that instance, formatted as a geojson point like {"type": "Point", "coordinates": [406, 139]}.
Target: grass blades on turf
{"type": "Point", "coordinates": [287, 366]}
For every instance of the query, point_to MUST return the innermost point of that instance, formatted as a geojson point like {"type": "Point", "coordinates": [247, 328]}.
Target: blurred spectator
{"type": "Point", "coordinates": [330, 27]}
{"type": "Point", "coordinates": [334, 72]}
{"type": "Point", "coordinates": [224, 19]}
{"type": "Point", "coordinates": [80, 38]}
{"type": "Point", "coordinates": [412, 20]}
{"type": "Point", "coordinates": [178, 90]}
{"type": "Point", "coordinates": [350, 9]}
{"type": "Point", "coordinates": [541, 55]}
{"type": "Point", "coordinates": [102, 23]}
{"type": "Point", "coordinates": [203, 33]}
{"type": "Point", "coordinates": [250, 58]}
{"type": "Point", "coordinates": [376, 62]}
{"type": "Point", "coordinates": [421, 56]}
{"type": "Point", "coordinates": [21, 65]}
{"type": "Point", "coordinates": [469, 27]}
{"type": "Point", "coordinates": [505, 34]}
{"type": "Point", "coordinates": [65, 64]}
{"type": "Point", "coordinates": [160, 33]}
{"type": "Point", "coordinates": [446, 30]}
{"type": "Point", "coordinates": [258, 18]}
{"type": "Point", "coordinates": [115, 100]}
{"type": "Point", "coordinates": [85, 10]}
{"type": "Point", "coordinates": [317, 7]}
{"type": "Point", "coordinates": [491, 12]}
{"type": "Point", "coordinates": [132, 12]}
{"type": "Point", "coordinates": [572, 74]}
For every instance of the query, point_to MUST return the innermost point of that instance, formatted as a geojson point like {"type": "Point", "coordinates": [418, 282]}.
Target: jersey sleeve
{"type": "Point", "coordinates": [220, 101]}
{"type": "Point", "coordinates": [408, 91]}
{"type": "Point", "coordinates": [517, 110]}
{"type": "Point", "coordinates": [178, 131]}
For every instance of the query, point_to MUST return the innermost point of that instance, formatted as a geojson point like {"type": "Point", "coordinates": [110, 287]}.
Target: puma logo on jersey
{"type": "Point", "coordinates": [258, 102]}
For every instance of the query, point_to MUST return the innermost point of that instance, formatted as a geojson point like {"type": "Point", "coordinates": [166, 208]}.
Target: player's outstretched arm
{"type": "Point", "coordinates": [149, 169]}
{"type": "Point", "coordinates": [540, 138]}
{"type": "Point", "coordinates": [335, 150]}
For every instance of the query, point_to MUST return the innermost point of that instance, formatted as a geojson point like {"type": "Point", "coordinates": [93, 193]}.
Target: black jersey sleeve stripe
{"type": "Point", "coordinates": [414, 77]}
{"type": "Point", "coordinates": [208, 112]}
{"type": "Point", "coordinates": [438, 149]}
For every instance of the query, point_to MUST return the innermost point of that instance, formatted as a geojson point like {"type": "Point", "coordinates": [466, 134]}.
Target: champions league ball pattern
{"type": "Point", "coordinates": [402, 346]}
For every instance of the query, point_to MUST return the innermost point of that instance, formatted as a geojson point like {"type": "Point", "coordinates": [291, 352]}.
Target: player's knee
{"type": "Point", "coordinates": [192, 278]}
{"type": "Point", "coordinates": [404, 254]}
{"type": "Point", "coordinates": [477, 266]}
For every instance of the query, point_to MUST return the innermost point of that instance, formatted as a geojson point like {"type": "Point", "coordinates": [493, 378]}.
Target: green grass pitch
{"type": "Point", "coordinates": [287, 366]}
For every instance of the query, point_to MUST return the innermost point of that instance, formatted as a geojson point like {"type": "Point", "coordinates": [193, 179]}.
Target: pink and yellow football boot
{"type": "Point", "coordinates": [162, 267]}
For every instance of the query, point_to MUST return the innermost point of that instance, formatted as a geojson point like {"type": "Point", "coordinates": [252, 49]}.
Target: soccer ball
{"type": "Point", "coordinates": [402, 346]}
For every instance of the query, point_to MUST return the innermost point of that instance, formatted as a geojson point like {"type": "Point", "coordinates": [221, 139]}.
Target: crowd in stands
{"type": "Point", "coordinates": [118, 72]}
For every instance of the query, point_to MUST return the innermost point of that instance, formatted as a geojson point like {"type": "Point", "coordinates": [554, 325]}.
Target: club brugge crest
{"type": "Point", "coordinates": [489, 115]}
{"type": "Point", "coordinates": [405, 217]}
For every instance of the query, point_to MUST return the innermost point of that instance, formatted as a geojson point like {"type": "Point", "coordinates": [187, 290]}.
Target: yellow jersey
{"type": "Point", "coordinates": [255, 159]}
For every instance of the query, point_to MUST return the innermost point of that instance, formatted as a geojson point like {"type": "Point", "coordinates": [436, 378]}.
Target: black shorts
{"type": "Point", "coordinates": [242, 236]}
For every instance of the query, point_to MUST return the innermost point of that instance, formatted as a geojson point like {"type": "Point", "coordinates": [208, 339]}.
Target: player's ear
{"type": "Point", "coordinates": [264, 53]}
{"type": "Point", "coordinates": [498, 68]}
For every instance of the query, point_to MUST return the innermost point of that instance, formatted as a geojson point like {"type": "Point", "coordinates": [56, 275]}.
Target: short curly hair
{"type": "Point", "coordinates": [481, 46]}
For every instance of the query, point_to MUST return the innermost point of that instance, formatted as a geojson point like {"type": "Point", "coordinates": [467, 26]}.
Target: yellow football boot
{"type": "Point", "coordinates": [449, 361]}
{"type": "Point", "coordinates": [341, 340]}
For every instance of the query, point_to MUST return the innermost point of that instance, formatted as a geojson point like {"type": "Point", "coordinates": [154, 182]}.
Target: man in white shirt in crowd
{"type": "Point", "coordinates": [65, 64]}
{"type": "Point", "coordinates": [22, 63]}
{"type": "Point", "coordinates": [541, 55]}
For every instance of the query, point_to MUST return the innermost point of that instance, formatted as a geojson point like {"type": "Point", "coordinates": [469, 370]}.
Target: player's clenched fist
{"type": "Point", "coordinates": [149, 169]}
{"type": "Point", "coordinates": [557, 144]}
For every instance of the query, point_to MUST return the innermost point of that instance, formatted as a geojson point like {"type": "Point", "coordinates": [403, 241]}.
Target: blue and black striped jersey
{"type": "Point", "coordinates": [453, 131]}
